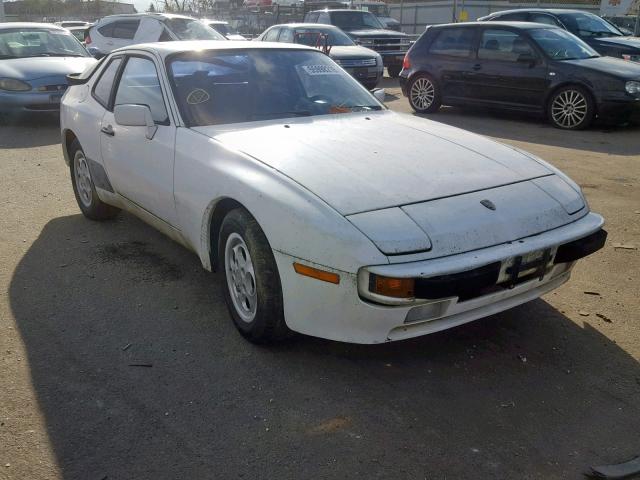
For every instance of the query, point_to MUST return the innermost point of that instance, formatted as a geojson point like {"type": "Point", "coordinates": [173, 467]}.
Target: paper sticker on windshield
{"type": "Point", "coordinates": [320, 70]}
{"type": "Point", "coordinates": [197, 96]}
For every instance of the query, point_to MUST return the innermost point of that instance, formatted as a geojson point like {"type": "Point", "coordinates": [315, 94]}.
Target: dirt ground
{"type": "Point", "coordinates": [118, 359]}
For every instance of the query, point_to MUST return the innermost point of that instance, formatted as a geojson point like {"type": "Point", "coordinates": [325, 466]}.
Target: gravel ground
{"type": "Point", "coordinates": [540, 391]}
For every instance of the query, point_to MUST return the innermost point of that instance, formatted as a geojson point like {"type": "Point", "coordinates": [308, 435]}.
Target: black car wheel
{"type": "Point", "coordinates": [394, 70]}
{"type": "Point", "coordinates": [424, 94]}
{"type": "Point", "coordinates": [571, 108]}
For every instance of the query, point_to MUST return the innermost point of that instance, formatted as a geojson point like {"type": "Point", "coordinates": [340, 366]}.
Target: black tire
{"type": "Point", "coordinates": [267, 325]}
{"type": "Point", "coordinates": [424, 94]}
{"type": "Point", "coordinates": [571, 108]}
{"type": "Point", "coordinates": [394, 70]}
{"type": "Point", "coordinates": [88, 201]}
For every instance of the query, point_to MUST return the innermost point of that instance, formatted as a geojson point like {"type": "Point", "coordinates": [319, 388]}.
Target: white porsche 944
{"type": "Point", "coordinates": [324, 212]}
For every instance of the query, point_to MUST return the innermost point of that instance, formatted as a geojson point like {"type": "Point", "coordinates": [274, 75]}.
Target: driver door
{"type": "Point", "coordinates": [141, 169]}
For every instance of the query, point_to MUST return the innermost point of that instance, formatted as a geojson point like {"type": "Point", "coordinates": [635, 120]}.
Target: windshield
{"type": "Point", "coordinates": [221, 87]}
{"type": "Point", "coordinates": [191, 29]}
{"type": "Point", "coordinates": [588, 25]}
{"type": "Point", "coordinates": [29, 42]}
{"type": "Point", "coordinates": [562, 45]}
{"type": "Point", "coordinates": [315, 36]}
{"type": "Point", "coordinates": [355, 20]}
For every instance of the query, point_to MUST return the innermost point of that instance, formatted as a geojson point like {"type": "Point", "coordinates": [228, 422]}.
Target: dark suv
{"type": "Point", "coordinates": [518, 66]}
{"type": "Point", "coordinates": [604, 37]}
{"type": "Point", "coordinates": [366, 30]}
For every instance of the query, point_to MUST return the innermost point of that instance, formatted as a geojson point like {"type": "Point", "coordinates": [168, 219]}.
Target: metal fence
{"type": "Point", "coordinates": [414, 17]}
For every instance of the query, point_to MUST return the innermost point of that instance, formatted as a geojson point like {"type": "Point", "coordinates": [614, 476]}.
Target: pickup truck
{"type": "Point", "coordinates": [366, 30]}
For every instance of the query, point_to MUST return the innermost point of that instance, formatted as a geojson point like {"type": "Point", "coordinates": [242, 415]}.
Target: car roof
{"type": "Point", "coordinates": [145, 15]}
{"type": "Point", "coordinates": [541, 10]}
{"type": "Point", "coordinates": [307, 25]}
{"type": "Point", "coordinates": [519, 25]}
{"type": "Point", "coordinates": [330, 10]}
{"type": "Point", "coordinates": [165, 49]}
{"type": "Point", "coordinates": [13, 25]}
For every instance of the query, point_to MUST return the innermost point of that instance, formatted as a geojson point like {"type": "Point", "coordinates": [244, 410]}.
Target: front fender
{"type": "Point", "coordinates": [295, 221]}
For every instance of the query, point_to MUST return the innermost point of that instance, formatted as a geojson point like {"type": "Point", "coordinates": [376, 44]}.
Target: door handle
{"type": "Point", "coordinates": [477, 67]}
{"type": "Point", "coordinates": [108, 130]}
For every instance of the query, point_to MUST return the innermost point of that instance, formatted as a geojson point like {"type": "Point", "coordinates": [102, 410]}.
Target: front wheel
{"type": "Point", "coordinates": [571, 108]}
{"type": "Point", "coordinates": [252, 288]}
{"type": "Point", "coordinates": [394, 70]}
{"type": "Point", "coordinates": [424, 94]}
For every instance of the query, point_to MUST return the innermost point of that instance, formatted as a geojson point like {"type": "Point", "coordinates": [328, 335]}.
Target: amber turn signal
{"type": "Point", "coordinates": [316, 273]}
{"type": "Point", "coordinates": [392, 287]}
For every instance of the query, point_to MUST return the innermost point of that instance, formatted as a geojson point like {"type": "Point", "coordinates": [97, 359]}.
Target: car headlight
{"type": "Point", "coordinates": [633, 88]}
{"type": "Point", "coordinates": [631, 58]}
{"type": "Point", "coordinates": [13, 85]}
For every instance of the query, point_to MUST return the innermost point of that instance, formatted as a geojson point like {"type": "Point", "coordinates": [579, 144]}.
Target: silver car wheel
{"type": "Point", "coordinates": [241, 277]}
{"type": "Point", "coordinates": [569, 108]}
{"type": "Point", "coordinates": [83, 178]}
{"type": "Point", "coordinates": [422, 93]}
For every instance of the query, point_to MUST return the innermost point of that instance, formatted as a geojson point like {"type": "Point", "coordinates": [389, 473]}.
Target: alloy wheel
{"type": "Point", "coordinates": [569, 108]}
{"type": "Point", "coordinates": [83, 178]}
{"type": "Point", "coordinates": [241, 277]}
{"type": "Point", "coordinates": [422, 93]}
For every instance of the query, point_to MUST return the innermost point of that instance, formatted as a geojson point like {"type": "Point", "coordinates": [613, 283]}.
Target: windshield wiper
{"type": "Point", "coordinates": [6, 57]}
{"type": "Point", "coordinates": [296, 113]}
{"type": "Point", "coordinates": [366, 107]}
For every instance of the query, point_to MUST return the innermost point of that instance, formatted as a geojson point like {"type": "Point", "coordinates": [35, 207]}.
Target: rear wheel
{"type": "Point", "coordinates": [394, 70]}
{"type": "Point", "coordinates": [424, 94]}
{"type": "Point", "coordinates": [84, 189]}
{"type": "Point", "coordinates": [571, 108]}
{"type": "Point", "coordinates": [252, 287]}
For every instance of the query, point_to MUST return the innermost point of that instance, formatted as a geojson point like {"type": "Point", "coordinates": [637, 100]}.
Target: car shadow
{"type": "Point", "coordinates": [602, 137]}
{"type": "Point", "coordinates": [25, 131]}
{"type": "Point", "coordinates": [140, 374]}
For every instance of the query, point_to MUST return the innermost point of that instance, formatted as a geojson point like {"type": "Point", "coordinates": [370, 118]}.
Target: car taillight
{"type": "Point", "coordinates": [87, 39]}
{"type": "Point", "coordinates": [406, 64]}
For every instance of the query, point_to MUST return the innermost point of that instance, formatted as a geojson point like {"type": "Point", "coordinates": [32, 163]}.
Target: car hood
{"type": "Point", "coordinates": [371, 32]}
{"type": "Point", "coordinates": [631, 44]}
{"type": "Point", "coordinates": [354, 51]}
{"type": "Point", "coordinates": [369, 161]}
{"type": "Point", "coordinates": [609, 65]}
{"type": "Point", "coordinates": [39, 67]}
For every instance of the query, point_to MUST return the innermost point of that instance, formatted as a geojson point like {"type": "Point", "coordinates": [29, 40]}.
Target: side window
{"type": "Point", "coordinates": [455, 42]}
{"type": "Point", "coordinates": [125, 29]}
{"type": "Point", "coordinates": [286, 35]}
{"type": "Point", "coordinates": [165, 37]}
{"type": "Point", "coordinates": [513, 17]}
{"type": "Point", "coordinates": [503, 45]}
{"type": "Point", "coordinates": [104, 85]}
{"type": "Point", "coordinates": [272, 35]}
{"type": "Point", "coordinates": [106, 30]}
{"type": "Point", "coordinates": [543, 18]}
{"type": "Point", "coordinates": [140, 85]}
{"type": "Point", "coordinates": [312, 17]}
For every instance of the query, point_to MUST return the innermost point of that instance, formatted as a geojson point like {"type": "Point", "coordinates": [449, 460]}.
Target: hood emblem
{"type": "Point", "coordinates": [488, 203]}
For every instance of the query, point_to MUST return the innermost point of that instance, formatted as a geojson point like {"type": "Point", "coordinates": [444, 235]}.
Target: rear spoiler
{"type": "Point", "coordinates": [74, 79]}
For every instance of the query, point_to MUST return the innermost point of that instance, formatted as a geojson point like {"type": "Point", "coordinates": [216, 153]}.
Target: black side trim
{"type": "Point", "coordinates": [572, 251]}
{"type": "Point", "coordinates": [99, 176]}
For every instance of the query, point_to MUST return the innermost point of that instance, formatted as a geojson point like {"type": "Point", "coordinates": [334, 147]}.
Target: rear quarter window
{"type": "Point", "coordinates": [453, 42]}
{"type": "Point", "coordinates": [125, 29]}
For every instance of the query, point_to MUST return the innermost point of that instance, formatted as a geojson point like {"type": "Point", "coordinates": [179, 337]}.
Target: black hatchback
{"type": "Point", "coordinates": [519, 66]}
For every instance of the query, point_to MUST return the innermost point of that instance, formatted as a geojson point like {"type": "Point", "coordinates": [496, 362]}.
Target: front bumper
{"type": "Point", "coordinates": [32, 101]}
{"type": "Point", "coordinates": [368, 76]}
{"type": "Point", "coordinates": [619, 108]}
{"type": "Point", "coordinates": [338, 312]}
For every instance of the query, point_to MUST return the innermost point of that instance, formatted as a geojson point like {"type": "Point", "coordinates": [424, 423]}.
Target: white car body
{"type": "Point", "coordinates": [150, 28]}
{"type": "Point", "coordinates": [354, 194]}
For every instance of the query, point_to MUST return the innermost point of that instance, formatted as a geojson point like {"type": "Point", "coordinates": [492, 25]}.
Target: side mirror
{"type": "Point", "coordinates": [95, 53]}
{"type": "Point", "coordinates": [130, 115]}
{"type": "Point", "coordinates": [380, 94]}
{"type": "Point", "coordinates": [527, 59]}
